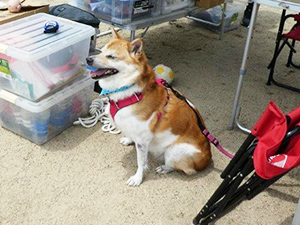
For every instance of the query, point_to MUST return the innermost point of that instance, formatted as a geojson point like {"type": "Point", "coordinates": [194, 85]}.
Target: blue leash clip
{"type": "Point", "coordinates": [51, 27]}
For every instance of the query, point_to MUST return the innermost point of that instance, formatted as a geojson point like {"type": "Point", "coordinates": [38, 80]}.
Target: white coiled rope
{"type": "Point", "coordinates": [99, 110]}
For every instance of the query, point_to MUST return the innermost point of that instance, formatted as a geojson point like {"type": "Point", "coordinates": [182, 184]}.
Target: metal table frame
{"type": "Point", "coordinates": [280, 4]}
{"type": "Point", "coordinates": [145, 23]}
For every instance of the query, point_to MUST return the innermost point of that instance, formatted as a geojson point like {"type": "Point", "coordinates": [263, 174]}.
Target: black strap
{"type": "Point", "coordinates": [183, 98]}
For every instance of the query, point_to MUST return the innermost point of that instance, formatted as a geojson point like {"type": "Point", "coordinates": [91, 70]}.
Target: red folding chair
{"type": "Point", "coordinates": [293, 35]}
{"type": "Point", "coordinates": [269, 152]}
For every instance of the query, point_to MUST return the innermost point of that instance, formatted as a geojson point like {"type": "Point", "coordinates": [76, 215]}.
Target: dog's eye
{"type": "Point", "coordinates": [110, 57]}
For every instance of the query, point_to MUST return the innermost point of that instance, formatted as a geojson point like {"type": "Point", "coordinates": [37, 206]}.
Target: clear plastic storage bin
{"type": "Point", "coordinates": [122, 11]}
{"type": "Point", "coordinates": [34, 63]}
{"type": "Point", "coordinates": [169, 6]}
{"type": "Point", "coordinates": [41, 121]}
{"type": "Point", "coordinates": [234, 15]}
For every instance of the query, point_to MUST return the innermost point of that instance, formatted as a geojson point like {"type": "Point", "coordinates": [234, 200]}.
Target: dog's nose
{"type": "Point", "coordinates": [89, 61]}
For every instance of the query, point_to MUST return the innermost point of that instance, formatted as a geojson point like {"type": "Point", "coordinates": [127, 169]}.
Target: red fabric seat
{"type": "Point", "coordinates": [297, 17]}
{"type": "Point", "coordinates": [270, 131]}
{"type": "Point", "coordinates": [293, 34]}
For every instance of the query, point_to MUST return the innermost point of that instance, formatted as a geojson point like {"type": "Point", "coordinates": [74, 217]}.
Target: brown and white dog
{"type": "Point", "coordinates": [160, 123]}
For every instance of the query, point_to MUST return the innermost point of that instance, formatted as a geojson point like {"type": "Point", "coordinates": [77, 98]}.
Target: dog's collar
{"type": "Point", "coordinates": [124, 88]}
{"type": "Point", "coordinates": [135, 98]}
{"type": "Point", "coordinates": [116, 106]}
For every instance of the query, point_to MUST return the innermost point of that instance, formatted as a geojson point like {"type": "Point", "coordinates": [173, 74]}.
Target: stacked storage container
{"type": "Point", "coordinates": [125, 11]}
{"type": "Point", "coordinates": [34, 63]}
{"type": "Point", "coordinates": [122, 11]}
{"type": "Point", "coordinates": [212, 18]}
{"type": "Point", "coordinates": [43, 85]}
{"type": "Point", "coordinates": [41, 121]}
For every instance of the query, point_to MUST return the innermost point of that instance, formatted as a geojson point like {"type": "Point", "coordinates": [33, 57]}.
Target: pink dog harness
{"type": "Point", "coordinates": [116, 106]}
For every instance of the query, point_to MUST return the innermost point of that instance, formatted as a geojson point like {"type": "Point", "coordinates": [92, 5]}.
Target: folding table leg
{"type": "Point", "coordinates": [132, 35]}
{"type": "Point", "coordinates": [296, 219]}
{"type": "Point", "coordinates": [223, 20]}
{"type": "Point", "coordinates": [243, 66]}
{"type": "Point", "coordinates": [145, 31]}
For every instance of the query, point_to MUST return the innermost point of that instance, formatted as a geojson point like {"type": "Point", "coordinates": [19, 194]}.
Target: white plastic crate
{"type": "Point", "coordinates": [121, 11]}
{"type": "Point", "coordinates": [34, 63]}
{"type": "Point", "coordinates": [41, 121]}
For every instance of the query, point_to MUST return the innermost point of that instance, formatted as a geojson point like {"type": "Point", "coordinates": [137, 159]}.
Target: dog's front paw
{"type": "Point", "coordinates": [135, 180]}
{"type": "Point", "coordinates": [126, 141]}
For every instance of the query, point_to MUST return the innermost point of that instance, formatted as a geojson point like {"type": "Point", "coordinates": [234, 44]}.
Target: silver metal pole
{"type": "Point", "coordinates": [243, 67]}
{"type": "Point", "coordinates": [223, 20]}
{"type": "Point", "coordinates": [132, 35]}
{"type": "Point", "coordinates": [238, 123]}
{"type": "Point", "coordinates": [296, 219]}
{"type": "Point", "coordinates": [145, 31]}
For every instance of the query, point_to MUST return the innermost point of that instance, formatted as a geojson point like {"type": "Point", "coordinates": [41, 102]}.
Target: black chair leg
{"type": "Point", "coordinates": [238, 155]}
{"type": "Point", "coordinates": [228, 187]}
{"type": "Point", "coordinates": [273, 61]}
{"type": "Point", "coordinates": [277, 51]}
{"type": "Point", "coordinates": [242, 192]}
{"type": "Point", "coordinates": [292, 63]}
{"type": "Point", "coordinates": [290, 55]}
{"type": "Point", "coordinates": [278, 39]}
{"type": "Point", "coordinates": [265, 184]}
{"type": "Point", "coordinates": [272, 64]}
{"type": "Point", "coordinates": [234, 186]}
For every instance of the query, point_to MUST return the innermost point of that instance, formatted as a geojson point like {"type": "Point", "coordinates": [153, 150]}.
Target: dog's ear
{"type": "Point", "coordinates": [115, 33]}
{"type": "Point", "coordinates": [137, 47]}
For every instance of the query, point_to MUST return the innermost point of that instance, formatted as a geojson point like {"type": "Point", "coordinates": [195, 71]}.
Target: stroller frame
{"type": "Point", "coordinates": [230, 193]}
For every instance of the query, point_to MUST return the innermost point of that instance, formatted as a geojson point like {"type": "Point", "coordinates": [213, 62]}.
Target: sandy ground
{"type": "Point", "coordinates": [79, 176]}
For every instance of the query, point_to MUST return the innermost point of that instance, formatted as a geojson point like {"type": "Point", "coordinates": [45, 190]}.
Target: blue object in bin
{"type": "Point", "coordinates": [51, 27]}
{"type": "Point", "coordinates": [60, 117]}
{"type": "Point", "coordinates": [41, 127]}
{"type": "Point", "coordinates": [43, 134]}
{"type": "Point", "coordinates": [58, 121]}
{"type": "Point", "coordinates": [91, 68]}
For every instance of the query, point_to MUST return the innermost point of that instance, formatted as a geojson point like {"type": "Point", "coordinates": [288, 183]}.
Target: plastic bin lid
{"type": "Point", "coordinates": [37, 107]}
{"type": "Point", "coordinates": [24, 39]}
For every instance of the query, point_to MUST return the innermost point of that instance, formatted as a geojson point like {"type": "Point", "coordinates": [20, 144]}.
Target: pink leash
{"type": "Point", "coordinates": [216, 143]}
